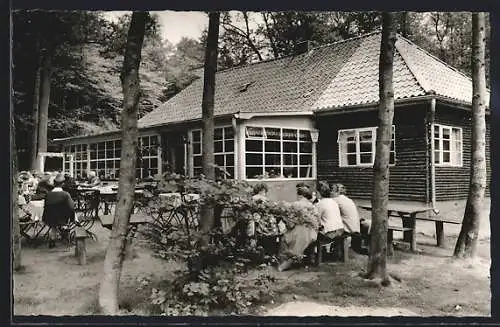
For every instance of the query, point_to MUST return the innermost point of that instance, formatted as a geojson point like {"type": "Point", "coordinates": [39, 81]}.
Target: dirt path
{"type": "Point", "coordinates": [306, 308]}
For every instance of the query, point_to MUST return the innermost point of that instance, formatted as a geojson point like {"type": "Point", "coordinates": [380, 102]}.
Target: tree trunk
{"type": "Point", "coordinates": [467, 239]}
{"type": "Point", "coordinates": [113, 262]}
{"type": "Point", "coordinates": [43, 111]}
{"type": "Point", "coordinates": [16, 230]}
{"type": "Point", "coordinates": [378, 244]}
{"type": "Point", "coordinates": [36, 100]}
{"type": "Point", "coordinates": [270, 36]}
{"type": "Point", "coordinates": [207, 214]}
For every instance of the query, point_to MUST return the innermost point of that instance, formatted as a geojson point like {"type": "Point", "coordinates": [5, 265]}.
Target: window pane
{"type": "Point", "coordinates": [290, 159]}
{"type": "Point", "coordinates": [436, 144]}
{"type": "Point", "coordinates": [272, 146]}
{"type": "Point", "coordinates": [306, 159]}
{"type": "Point", "coordinates": [436, 157]}
{"type": "Point", "coordinates": [153, 140]}
{"type": "Point", "coordinates": [196, 136]}
{"type": "Point", "coordinates": [197, 161]}
{"type": "Point", "coordinates": [218, 146]}
{"type": "Point", "coordinates": [153, 151]}
{"type": "Point", "coordinates": [228, 133]}
{"type": "Point", "coordinates": [93, 165]}
{"type": "Point", "coordinates": [306, 172]}
{"type": "Point", "coordinates": [305, 147]}
{"type": "Point", "coordinates": [118, 144]}
{"type": "Point", "coordinates": [196, 148]}
{"type": "Point", "coordinates": [145, 141]}
{"type": "Point", "coordinates": [446, 133]}
{"type": "Point", "coordinates": [229, 160]}
{"type": "Point", "coordinates": [365, 147]}
{"type": "Point", "coordinates": [117, 164]}
{"type": "Point", "coordinates": [446, 145]}
{"type": "Point", "coordinates": [458, 159]}
{"type": "Point", "coordinates": [93, 154]}
{"type": "Point", "coordinates": [118, 153]}
{"type": "Point", "coordinates": [273, 133]}
{"type": "Point", "coordinates": [351, 148]}
{"type": "Point", "coordinates": [219, 160]}
{"type": "Point", "coordinates": [273, 159]}
{"type": "Point", "coordinates": [218, 134]}
{"type": "Point", "coordinates": [254, 132]}
{"type": "Point", "coordinates": [305, 136]}
{"type": "Point", "coordinates": [351, 159]}
{"type": "Point", "coordinates": [138, 173]}
{"type": "Point", "coordinates": [446, 157]}
{"type": "Point", "coordinates": [230, 171]}
{"type": "Point", "coordinates": [273, 172]}
{"type": "Point", "coordinates": [289, 172]}
{"type": "Point", "coordinates": [253, 172]}
{"type": "Point", "coordinates": [109, 152]}
{"type": "Point", "coordinates": [229, 146]}
{"type": "Point", "coordinates": [347, 136]}
{"type": "Point", "coordinates": [100, 164]}
{"type": "Point", "coordinates": [153, 163]}
{"type": "Point", "coordinates": [366, 158]}
{"type": "Point", "coordinates": [365, 136]}
{"type": "Point", "coordinates": [290, 147]}
{"type": "Point", "coordinates": [253, 145]}
{"type": "Point", "coordinates": [289, 134]}
{"type": "Point", "coordinates": [253, 159]}
{"type": "Point", "coordinates": [392, 158]}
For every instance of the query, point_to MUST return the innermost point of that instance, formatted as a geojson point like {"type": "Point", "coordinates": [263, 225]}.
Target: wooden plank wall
{"type": "Point", "coordinates": [453, 182]}
{"type": "Point", "coordinates": [407, 177]}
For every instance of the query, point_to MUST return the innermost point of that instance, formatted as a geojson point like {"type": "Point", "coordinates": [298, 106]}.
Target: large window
{"type": "Point", "coordinates": [147, 161]}
{"type": "Point", "coordinates": [79, 152]}
{"type": "Point", "coordinates": [104, 158]}
{"type": "Point", "coordinates": [223, 150]}
{"type": "Point", "coordinates": [447, 145]}
{"type": "Point", "coordinates": [357, 147]}
{"type": "Point", "coordinates": [278, 153]}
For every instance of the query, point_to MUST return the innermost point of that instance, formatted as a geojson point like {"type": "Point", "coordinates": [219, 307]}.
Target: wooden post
{"type": "Point", "coordinates": [319, 253]}
{"type": "Point", "coordinates": [440, 233]}
{"type": "Point", "coordinates": [345, 248]}
{"type": "Point", "coordinates": [407, 223]}
{"type": "Point", "coordinates": [81, 249]}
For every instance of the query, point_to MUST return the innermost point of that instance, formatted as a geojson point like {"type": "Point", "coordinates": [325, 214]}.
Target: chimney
{"type": "Point", "coordinates": [302, 47]}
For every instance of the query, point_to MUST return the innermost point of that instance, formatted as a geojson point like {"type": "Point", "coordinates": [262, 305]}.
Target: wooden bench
{"type": "Point", "coordinates": [340, 244]}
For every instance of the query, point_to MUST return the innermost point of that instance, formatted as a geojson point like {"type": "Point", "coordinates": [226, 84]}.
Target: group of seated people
{"type": "Point", "coordinates": [337, 214]}
{"type": "Point", "coordinates": [57, 190]}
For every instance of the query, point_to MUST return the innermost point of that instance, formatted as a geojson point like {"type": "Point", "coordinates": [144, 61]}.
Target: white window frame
{"type": "Point", "coordinates": [358, 151]}
{"type": "Point", "coordinates": [282, 165]}
{"type": "Point", "coordinates": [439, 155]}
{"type": "Point", "coordinates": [224, 152]}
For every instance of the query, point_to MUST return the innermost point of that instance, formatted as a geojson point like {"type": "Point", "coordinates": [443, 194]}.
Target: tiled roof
{"type": "Point", "coordinates": [338, 75]}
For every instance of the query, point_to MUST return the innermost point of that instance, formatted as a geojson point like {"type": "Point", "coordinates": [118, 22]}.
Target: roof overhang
{"type": "Point", "coordinates": [249, 115]}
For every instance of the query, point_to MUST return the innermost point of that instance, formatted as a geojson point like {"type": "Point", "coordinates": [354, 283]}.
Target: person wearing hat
{"type": "Point", "coordinates": [58, 209]}
{"type": "Point", "coordinates": [93, 180]}
{"type": "Point", "coordinates": [44, 186]}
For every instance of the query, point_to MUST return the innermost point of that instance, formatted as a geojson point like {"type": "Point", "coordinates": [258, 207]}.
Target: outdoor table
{"type": "Point", "coordinates": [136, 220]}
{"type": "Point", "coordinates": [36, 209]}
{"type": "Point", "coordinates": [408, 214]}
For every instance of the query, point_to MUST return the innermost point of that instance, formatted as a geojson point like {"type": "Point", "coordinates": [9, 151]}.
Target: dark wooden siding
{"type": "Point", "coordinates": [408, 177]}
{"type": "Point", "coordinates": [453, 182]}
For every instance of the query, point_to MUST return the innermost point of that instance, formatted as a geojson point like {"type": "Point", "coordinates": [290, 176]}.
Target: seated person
{"type": "Point", "coordinates": [69, 185]}
{"type": "Point", "coordinates": [93, 180]}
{"type": "Point", "coordinates": [58, 209]}
{"type": "Point", "coordinates": [23, 212]}
{"type": "Point", "coordinates": [44, 186]}
{"type": "Point", "coordinates": [330, 219]}
{"type": "Point", "coordinates": [350, 216]}
{"type": "Point", "coordinates": [299, 238]}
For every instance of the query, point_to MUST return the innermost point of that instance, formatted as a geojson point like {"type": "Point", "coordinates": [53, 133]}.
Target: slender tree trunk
{"type": "Point", "coordinates": [270, 36]}
{"type": "Point", "coordinates": [113, 262]}
{"type": "Point", "coordinates": [404, 24]}
{"type": "Point", "coordinates": [16, 231]}
{"type": "Point", "coordinates": [467, 239]}
{"type": "Point", "coordinates": [36, 101]}
{"type": "Point", "coordinates": [207, 214]}
{"type": "Point", "coordinates": [43, 112]}
{"type": "Point", "coordinates": [377, 264]}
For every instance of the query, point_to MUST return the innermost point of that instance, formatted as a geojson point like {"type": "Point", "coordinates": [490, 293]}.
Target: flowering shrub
{"type": "Point", "coordinates": [212, 279]}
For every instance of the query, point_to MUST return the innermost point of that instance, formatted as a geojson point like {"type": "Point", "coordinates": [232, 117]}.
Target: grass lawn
{"type": "Point", "coordinates": [52, 282]}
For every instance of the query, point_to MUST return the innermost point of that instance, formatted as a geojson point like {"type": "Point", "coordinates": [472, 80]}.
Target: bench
{"type": "Point", "coordinates": [390, 236]}
{"type": "Point", "coordinates": [340, 244]}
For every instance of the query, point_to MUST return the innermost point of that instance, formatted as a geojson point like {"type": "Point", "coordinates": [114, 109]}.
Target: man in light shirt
{"type": "Point", "coordinates": [330, 219]}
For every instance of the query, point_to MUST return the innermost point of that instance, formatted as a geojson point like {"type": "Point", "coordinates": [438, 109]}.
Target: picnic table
{"type": "Point", "coordinates": [408, 212]}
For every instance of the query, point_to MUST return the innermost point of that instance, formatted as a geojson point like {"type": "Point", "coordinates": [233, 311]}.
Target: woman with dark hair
{"type": "Point", "coordinates": [298, 239]}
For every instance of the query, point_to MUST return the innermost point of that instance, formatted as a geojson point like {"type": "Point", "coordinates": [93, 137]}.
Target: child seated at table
{"type": "Point", "coordinates": [58, 209]}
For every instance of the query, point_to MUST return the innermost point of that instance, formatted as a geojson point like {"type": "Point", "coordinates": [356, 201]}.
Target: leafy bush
{"type": "Point", "coordinates": [213, 278]}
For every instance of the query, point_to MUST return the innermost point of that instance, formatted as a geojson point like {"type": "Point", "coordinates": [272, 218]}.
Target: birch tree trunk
{"type": "Point", "coordinates": [207, 213]}
{"type": "Point", "coordinates": [115, 254]}
{"type": "Point", "coordinates": [377, 262]}
{"type": "Point", "coordinates": [467, 239]}
{"type": "Point", "coordinates": [36, 101]}
{"type": "Point", "coordinates": [43, 111]}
